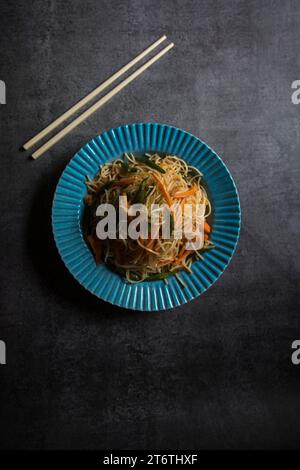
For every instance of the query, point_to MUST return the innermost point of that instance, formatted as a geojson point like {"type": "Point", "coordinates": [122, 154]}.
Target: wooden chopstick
{"type": "Point", "coordinates": [43, 133]}
{"type": "Point", "coordinates": [98, 104]}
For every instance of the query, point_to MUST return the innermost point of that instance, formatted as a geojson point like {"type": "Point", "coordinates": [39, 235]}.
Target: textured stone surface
{"type": "Point", "coordinates": [215, 373]}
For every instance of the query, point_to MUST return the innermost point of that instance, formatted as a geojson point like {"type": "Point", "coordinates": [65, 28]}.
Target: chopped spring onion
{"type": "Point", "coordinates": [150, 163]}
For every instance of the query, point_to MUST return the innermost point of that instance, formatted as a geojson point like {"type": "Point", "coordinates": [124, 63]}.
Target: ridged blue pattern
{"type": "Point", "coordinates": [68, 208]}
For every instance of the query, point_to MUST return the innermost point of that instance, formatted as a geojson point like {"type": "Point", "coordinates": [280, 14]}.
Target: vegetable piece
{"type": "Point", "coordinates": [207, 228]}
{"type": "Point", "coordinates": [208, 247]}
{"type": "Point", "coordinates": [134, 276]}
{"type": "Point", "coordinates": [182, 257]}
{"type": "Point", "coordinates": [158, 276]}
{"type": "Point", "coordinates": [184, 194]}
{"type": "Point", "coordinates": [150, 163]}
{"type": "Point", "coordinates": [181, 251]}
{"type": "Point", "coordinates": [127, 168]}
{"type": "Point", "coordinates": [141, 193]}
{"type": "Point", "coordinates": [162, 189]}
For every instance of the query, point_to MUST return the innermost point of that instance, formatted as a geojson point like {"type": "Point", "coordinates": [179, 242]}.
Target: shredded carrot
{"type": "Point", "coordinates": [182, 257]}
{"type": "Point", "coordinates": [162, 189]}
{"type": "Point", "coordinates": [181, 251]}
{"type": "Point", "coordinates": [205, 236]}
{"type": "Point", "coordinates": [207, 228]}
{"type": "Point", "coordinates": [184, 194]}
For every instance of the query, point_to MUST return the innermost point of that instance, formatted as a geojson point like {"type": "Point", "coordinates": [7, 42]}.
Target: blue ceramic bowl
{"type": "Point", "coordinates": [68, 209]}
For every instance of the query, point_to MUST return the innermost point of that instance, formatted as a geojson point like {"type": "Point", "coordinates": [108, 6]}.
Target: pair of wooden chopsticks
{"type": "Point", "coordinates": [57, 137]}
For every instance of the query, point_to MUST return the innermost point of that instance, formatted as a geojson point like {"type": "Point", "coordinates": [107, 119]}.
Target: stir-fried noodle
{"type": "Point", "coordinates": [148, 180]}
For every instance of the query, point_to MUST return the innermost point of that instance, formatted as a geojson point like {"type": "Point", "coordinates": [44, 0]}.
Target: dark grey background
{"type": "Point", "coordinates": [216, 373]}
